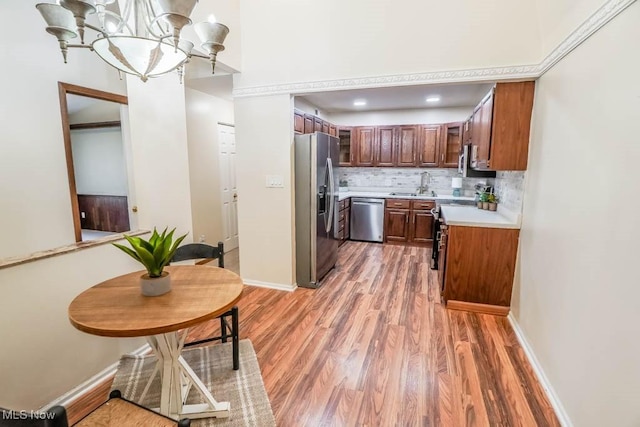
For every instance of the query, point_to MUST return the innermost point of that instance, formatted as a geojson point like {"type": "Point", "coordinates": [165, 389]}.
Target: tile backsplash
{"type": "Point", "coordinates": [509, 186]}
{"type": "Point", "coordinates": [407, 179]}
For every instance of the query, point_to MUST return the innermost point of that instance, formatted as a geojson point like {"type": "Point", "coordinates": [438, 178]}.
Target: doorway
{"type": "Point", "coordinates": [228, 186]}
{"type": "Point", "coordinates": [95, 135]}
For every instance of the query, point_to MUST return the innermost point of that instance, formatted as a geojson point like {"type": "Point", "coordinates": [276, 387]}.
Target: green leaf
{"type": "Point", "coordinates": [175, 247]}
{"type": "Point", "coordinates": [154, 237]}
{"type": "Point", "coordinates": [127, 251]}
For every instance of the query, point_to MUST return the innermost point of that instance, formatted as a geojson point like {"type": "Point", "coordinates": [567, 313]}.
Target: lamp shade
{"type": "Point", "coordinates": [139, 56]}
{"type": "Point", "coordinates": [58, 19]}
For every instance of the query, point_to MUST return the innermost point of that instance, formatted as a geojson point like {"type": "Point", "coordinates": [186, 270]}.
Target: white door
{"type": "Point", "coordinates": [228, 186]}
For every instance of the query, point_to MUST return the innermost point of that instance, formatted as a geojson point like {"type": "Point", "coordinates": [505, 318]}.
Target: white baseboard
{"type": "Point", "coordinates": [562, 415]}
{"type": "Point", "coordinates": [90, 384]}
{"type": "Point", "coordinates": [278, 286]}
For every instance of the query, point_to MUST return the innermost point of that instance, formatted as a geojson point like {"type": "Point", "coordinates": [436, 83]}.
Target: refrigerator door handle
{"type": "Point", "coordinates": [329, 195]}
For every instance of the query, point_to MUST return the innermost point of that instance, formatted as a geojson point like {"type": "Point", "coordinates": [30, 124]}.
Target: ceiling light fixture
{"type": "Point", "coordinates": [434, 98]}
{"type": "Point", "coordinates": [359, 103]}
{"type": "Point", "coordinates": [144, 40]}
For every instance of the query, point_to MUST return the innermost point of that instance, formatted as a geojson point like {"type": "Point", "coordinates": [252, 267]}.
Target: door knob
{"type": "Point", "coordinates": [235, 195]}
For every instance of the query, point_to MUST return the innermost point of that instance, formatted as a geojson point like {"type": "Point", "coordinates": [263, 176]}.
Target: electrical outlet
{"type": "Point", "coordinates": [83, 215]}
{"type": "Point", "coordinates": [274, 181]}
{"type": "Point", "coordinates": [202, 239]}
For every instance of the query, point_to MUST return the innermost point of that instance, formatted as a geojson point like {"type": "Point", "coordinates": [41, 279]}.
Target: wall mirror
{"type": "Point", "coordinates": [96, 139]}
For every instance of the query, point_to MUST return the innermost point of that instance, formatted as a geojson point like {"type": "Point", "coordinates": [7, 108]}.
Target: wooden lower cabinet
{"type": "Point", "coordinates": [344, 220]}
{"type": "Point", "coordinates": [408, 221]}
{"type": "Point", "coordinates": [479, 268]}
{"type": "Point", "coordinates": [396, 225]}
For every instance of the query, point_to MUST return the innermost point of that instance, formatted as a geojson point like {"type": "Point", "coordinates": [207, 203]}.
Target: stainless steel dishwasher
{"type": "Point", "coordinates": [367, 219]}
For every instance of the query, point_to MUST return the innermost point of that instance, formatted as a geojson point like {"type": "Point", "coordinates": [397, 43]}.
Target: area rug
{"type": "Point", "coordinates": [243, 388]}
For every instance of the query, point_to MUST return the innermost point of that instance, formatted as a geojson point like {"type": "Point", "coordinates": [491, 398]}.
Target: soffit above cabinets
{"type": "Point", "coordinates": [400, 98]}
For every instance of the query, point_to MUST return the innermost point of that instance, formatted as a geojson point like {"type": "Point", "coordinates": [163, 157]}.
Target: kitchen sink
{"type": "Point", "coordinates": [403, 194]}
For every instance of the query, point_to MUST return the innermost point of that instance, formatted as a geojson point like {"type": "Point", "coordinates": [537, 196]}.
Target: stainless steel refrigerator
{"type": "Point", "coordinates": [316, 194]}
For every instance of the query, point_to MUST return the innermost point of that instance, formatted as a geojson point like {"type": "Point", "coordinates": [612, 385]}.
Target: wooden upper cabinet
{"type": "Point", "coordinates": [333, 130]}
{"type": "Point", "coordinates": [407, 145]}
{"type": "Point", "coordinates": [347, 146]}
{"type": "Point", "coordinates": [428, 145]}
{"type": "Point", "coordinates": [317, 124]}
{"type": "Point", "coordinates": [308, 123]}
{"type": "Point", "coordinates": [365, 143]}
{"type": "Point", "coordinates": [513, 104]}
{"type": "Point", "coordinates": [386, 146]}
{"type": "Point", "coordinates": [451, 145]}
{"type": "Point", "coordinates": [298, 122]}
{"type": "Point", "coordinates": [325, 127]}
{"type": "Point", "coordinates": [500, 127]}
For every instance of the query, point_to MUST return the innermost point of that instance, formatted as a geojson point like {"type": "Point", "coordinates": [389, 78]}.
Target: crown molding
{"type": "Point", "coordinates": [597, 20]}
{"type": "Point", "coordinates": [593, 23]}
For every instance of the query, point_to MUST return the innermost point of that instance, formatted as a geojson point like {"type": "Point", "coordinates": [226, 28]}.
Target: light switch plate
{"type": "Point", "coordinates": [275, 181]}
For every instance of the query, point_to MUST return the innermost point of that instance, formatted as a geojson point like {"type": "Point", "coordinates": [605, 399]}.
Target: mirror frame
{"type": "Point", "coordinates": [63, 90]}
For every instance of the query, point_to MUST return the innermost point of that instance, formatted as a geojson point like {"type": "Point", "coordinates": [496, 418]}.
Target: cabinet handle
{"type": "Point", "coordinates": [407, 219]}
{"type": "Point", "coordinates": [442, 157]}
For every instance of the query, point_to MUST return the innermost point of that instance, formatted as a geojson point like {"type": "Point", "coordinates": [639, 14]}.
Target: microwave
{"type": "Point", "coordinates": [464, 165]}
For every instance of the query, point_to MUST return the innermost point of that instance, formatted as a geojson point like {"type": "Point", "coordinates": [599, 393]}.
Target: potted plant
{"type": "Point", "coordinates": [154, 254]}
{"type": "Point", "coordinates": [483, 201]}
{"type": "Point", "coordinates": [492, 199]}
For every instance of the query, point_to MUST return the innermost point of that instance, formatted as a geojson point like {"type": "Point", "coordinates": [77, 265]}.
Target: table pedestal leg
{"type": "Point", "coordinates": [177, 378]}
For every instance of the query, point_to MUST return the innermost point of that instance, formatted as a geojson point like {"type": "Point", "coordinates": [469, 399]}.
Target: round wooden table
{"type": "Point", "coordinates": [116, 308]}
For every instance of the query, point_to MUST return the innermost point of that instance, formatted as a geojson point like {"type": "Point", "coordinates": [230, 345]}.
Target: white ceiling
{"type": "Point", "coordinates": [400, 98]}
{"type": "Point", "coordinates": [216, 85]}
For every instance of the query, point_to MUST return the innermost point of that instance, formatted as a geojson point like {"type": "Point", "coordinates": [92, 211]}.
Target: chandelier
{"type": "Point", "coordinates": [143, 40]}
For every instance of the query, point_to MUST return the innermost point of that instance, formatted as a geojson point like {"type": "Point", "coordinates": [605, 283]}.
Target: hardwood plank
{"type": "Point", "coordinates": [374, 346]}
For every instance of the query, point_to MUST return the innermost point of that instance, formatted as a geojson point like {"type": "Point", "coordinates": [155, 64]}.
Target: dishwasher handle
{"type": "Point", "coordinates": [367, 201]}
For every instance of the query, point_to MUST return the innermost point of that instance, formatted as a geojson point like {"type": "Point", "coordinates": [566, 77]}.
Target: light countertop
{"type": "Point", "coordinates": [471, 216]}
{"type": "Point", "coordinates": [387, 195]}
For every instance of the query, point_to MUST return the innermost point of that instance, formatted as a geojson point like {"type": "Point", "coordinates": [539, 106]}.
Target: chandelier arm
{"type": "Point", "coordinates": [197, 55]}
{"type": "Point", "coordinates": [96, 29]}
{"type": "Point", "coordinates": [85, 46]}
{"type": "Point", "coordinates": [150, 22]}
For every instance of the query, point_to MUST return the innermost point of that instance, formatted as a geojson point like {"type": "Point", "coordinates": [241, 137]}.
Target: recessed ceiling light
{"type": "Point", "coordinates": [434, 98]}
{"type": "Point", "coordinates": [359, 102]}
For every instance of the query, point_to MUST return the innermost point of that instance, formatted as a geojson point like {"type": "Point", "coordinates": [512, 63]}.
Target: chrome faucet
{"type": "Point", "coordinates": [424, 176]}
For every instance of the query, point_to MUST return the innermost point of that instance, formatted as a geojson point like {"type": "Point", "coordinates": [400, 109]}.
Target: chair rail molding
{"type": "Point", "coordinates": [593, 23]}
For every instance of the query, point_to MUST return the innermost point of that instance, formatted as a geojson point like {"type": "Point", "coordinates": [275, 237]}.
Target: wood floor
{"type": "Point", "coordinates": [373, 346]}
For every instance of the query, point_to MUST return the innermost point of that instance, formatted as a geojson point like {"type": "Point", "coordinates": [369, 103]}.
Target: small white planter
{"type": "Point", "coordinates": [155, 286]}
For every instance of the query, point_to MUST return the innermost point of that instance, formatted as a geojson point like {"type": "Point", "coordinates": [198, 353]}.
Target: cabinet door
{"type": "Point", "coordinates": [442, 261]}
{"type": "Point", "coordinates": [421, 226]}
{"type": "Point", "coordinates": [429, 145]}
{"type": "Point", "coordinates": [298, 122]}
{"type": "Point", "coordinates": [396, 225]}
{"type": "Point", "coordinates": [386, 152]}
{"type": "Point", "coordinates": [484, 132]}
{"type": "Point", "coordinates": [407, 145]}
{"type": "Point", "coordinates": [333, 130]}
{"type": "Point", "coordinates": [317, 124]}
{"type": "Point", "coordinates": [347, 146]}
{"type": "Point", "coordinates": [325, 127]}
{"type": "Point", "coordinates": [365, 146]}
{"type": "Point", "coordinates": [451, 144]}
{"type": "Point", "coordinates": [308, 123]}
{"type": "Point", "coordinates": [347, 223]}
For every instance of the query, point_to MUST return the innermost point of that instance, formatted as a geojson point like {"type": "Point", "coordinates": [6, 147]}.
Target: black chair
{"type": "Point", "coordinates": [57, 416]}
{"type": "Point", "coordinates": [229, 321]}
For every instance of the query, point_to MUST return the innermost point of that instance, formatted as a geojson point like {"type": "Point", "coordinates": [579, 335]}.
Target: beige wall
{"type": "Point", "coordinates": [203, 114]}
{"type": "Point", "coordinates": [402, 117]}
{"type": "Point", "coordinates": [42, 355]}
{"type": "Point", "coordinates": [363, 38]}
{"type": "Point", "coordinates": [264, 135]}
{"type": "Point", "coordinates": [34, 189]}
{"type": "Point", "coordinates": [558, 18]}
{"type": "Point", "coordinates": [577, 295]}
